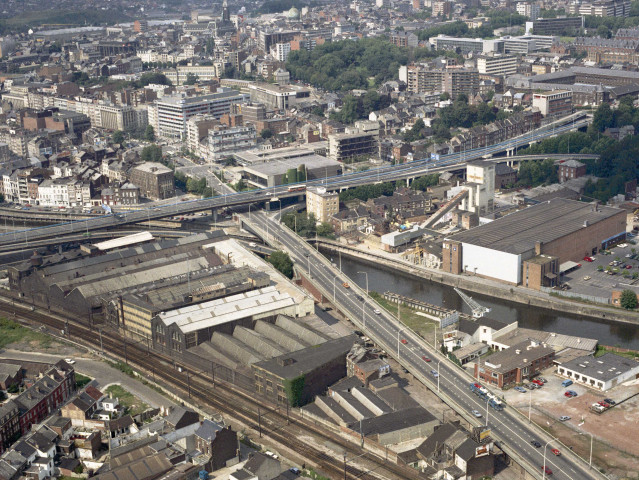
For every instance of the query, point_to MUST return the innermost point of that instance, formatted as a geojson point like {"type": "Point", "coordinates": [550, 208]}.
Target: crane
{"type": "Point", "coordinates": [478, 310]}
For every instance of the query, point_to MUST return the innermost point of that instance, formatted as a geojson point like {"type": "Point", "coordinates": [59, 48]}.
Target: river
{"type": "Point", "coordinates": [381, 280]}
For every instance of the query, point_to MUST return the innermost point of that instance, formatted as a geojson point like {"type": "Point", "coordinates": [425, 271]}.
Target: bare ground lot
{"type": "Point", "coordinates": [615, 432]}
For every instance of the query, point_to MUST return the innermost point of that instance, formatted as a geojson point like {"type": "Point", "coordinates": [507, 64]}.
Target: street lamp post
{"type": "Point", "coordinates": [334, 289]}
{"type": "Point", "coordinates": [365, 273]}
{"type": "Point", "coordinates": [590, 461]}
{"type": "Point", "coordinates": [398, 342]}
{"type": "Point", "coordinates": [438, 374]}
{"type": "Point", "coordinates": [529, 404]}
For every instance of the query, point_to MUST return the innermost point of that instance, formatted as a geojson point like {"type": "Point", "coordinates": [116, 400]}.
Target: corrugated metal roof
{"type": "Point", "coordinates": [517, 233]}
{"type": "Point", "coordinates": [125, 241]}
{"type": "Point", "coordinates": [223, 310]}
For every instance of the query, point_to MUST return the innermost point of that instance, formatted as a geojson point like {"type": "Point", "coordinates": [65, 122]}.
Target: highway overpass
{"type": "Point", "coordinates": [383, 174]}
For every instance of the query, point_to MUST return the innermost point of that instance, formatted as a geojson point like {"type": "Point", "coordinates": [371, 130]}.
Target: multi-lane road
{"type": "Point", "coordinates": [508, 427]}
{"type": "Point", "coordinates": [382, 174]}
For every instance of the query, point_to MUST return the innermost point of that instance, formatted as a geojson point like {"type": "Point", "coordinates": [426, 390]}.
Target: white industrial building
{"type": "Point", "coordinates": [601, 373]}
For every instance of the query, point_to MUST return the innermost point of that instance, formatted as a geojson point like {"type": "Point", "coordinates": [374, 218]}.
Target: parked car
{"type": "Point", "coordinates": [536, 381]}
{"type": "Point", "coordinates": [70, 361]}
{"type": "Point", "coordinates": [604, 404]}
{"type": "Point", "coordinates": [564, 418]}
{"type": "Point", "coordinates": [610, 401]}
{"type": "Point", "coordinates": [589, 259]}
{"type": "Point", "coordinates": [529, 386]}
{"type": "Point", "coordinates": [520, 389]}
{"type": "Point", "coordinates": [570, 393]}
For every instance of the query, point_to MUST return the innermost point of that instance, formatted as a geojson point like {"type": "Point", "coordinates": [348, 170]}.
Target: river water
{"type": "Point", "coordinates": [381, 280]}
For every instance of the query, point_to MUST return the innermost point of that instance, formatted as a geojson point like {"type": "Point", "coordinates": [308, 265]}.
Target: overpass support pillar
{"type": "Point", "coordinates": [214, 214]}
{"type": "Point", "coordinates": [267, 206]}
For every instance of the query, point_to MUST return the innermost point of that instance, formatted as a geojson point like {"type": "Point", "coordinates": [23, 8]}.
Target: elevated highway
{"type": "Point", "coordinates": [383, 174]}
{"type": "Point", "coordinates": [511, 429]}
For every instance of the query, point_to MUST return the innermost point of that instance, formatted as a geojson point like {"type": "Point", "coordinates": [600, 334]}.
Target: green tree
{"type": "Point", "coordinates": [282, 262]}
{"type": "Point", "coordinates": [149, 133]}
{"type": "Point", "coordinates": [266, 134]}
{"type": "Point", "coordinates": [326, 230]}
{"type": "Point", "coordinates": [415, 133]}
{"type": "Point", "coordinates": [151, 153]}
{"type": "Point", "coordinates": [628, 300]}
{"type": "Point", "coordinates": [118, 137]}
{"type": "Point", "coordinates": [210, 46]}
{"type": "Point", "coordinates": [603, 117]}
{"type": "Point", "coordinates": [152, 78]}
{"type": "Point", "coordinates": [191, 79]}
{"type": "Point", "coordinates": [240, 185]}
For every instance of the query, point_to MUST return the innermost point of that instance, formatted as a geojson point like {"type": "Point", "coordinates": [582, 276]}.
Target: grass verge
{"type": "Point", "coordinates": [130, 402]}
{"type": "Point", "coordinates": [409, 317]}
{"type": "Point", "coordinates": [13, 332]}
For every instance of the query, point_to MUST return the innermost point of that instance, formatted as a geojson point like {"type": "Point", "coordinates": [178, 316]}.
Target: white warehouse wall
{"type": "Point", "coordinates": [491, 263]}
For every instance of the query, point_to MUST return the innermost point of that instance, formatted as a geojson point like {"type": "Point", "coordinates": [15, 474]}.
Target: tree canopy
{"type": "Point", "coordinates": [355, 108]}
{"type": "Point", "coordinates": [282, 262]}
{"type": "Point", "coordinates": [628, 300]}
{"type": "Point", "coordinates": [618, 161]}
{"type": "Point", "coordinates": [151, 153]}
{"type": "Point", "coordinates": [352, 64]}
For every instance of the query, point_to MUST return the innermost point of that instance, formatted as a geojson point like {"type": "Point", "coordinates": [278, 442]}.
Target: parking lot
{"type": "Point", "coordinates": [612, 427]}
{"type": "Point", "coordinates": [598, 278]}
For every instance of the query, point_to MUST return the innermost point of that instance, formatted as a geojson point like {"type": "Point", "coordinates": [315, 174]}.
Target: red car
{"type": "Point", "coordinates": [604, 404]}
{"type": "Point", "coordinates": [556, 452]}
{"type": "Point", "coordinates": [425, 358]}
{"type": "Point", "coordinates": [538, 382]}
{"type": "Point", "coordinates": [404, 341]}
{"type": "Point", "coordinates": [588, 259]}
{"type": "Point", "coordinates": [628, 267]}
{"type": "Point", "coordinates": [547, 470]}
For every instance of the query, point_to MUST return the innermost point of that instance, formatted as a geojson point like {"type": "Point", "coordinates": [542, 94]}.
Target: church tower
{"type": "Point", "coordinates": [226, 16]}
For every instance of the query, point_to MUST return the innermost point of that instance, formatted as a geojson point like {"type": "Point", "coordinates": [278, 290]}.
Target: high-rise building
{"type": "Point", "coordinates": [461, 80]}
{"type": "Point", "coordinates": [321, 203]}
{"type": "Point", "coordinates": [556, 103]}
{"type": "Point", "coordinates": [528, 9]}
{"type": "Point", "coordinates": [174, 111]}
{"type": "Point", "coordinates": [497, 64]}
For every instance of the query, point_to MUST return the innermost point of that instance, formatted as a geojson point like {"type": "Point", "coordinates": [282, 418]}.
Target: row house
{"type": "Point", "coordinates": [64, 192]}
{"type": "Point", "coordinates": [46, 395]}
{"type": "Point", "coordinates": [405, 199]}
{"type": "Point", "coordinates": [124, 194]}
{"type": "Point", "coordinates": [350, 220]}
{"type": "Point", "coordinates": [32, 457]}
{"type": "Point", "coordinates": [496, 132]}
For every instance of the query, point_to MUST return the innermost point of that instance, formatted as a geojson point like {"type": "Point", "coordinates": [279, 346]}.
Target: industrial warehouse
{"type": "Point", "coordinates": [534, 246]}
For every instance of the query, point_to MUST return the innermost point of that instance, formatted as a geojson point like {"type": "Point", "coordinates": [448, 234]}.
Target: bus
{"type": "Point", "coordinates": [297, 188]}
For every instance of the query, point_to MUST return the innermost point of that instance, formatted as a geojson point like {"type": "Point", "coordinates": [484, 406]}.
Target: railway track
{"type": "Point", "coordinates": [283, 428]}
